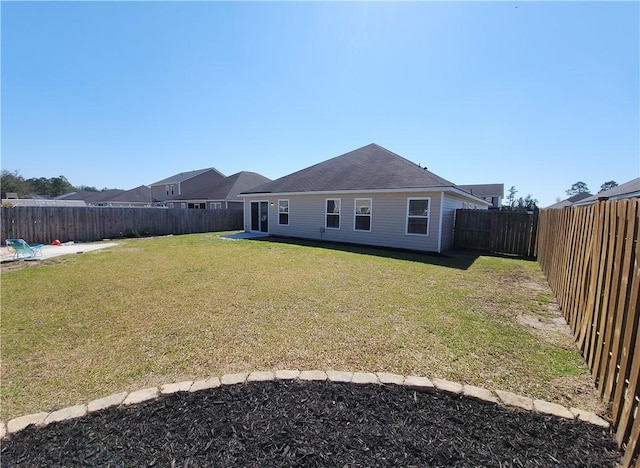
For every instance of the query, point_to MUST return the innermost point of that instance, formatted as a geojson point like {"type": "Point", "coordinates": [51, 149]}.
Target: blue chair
{"type": "Point", "coordinates": [21, 250]}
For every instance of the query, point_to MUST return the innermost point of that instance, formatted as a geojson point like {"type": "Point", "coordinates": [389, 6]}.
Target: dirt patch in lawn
{"type": "Point", "coordinates": [545, 324]}
{"type": "Point", "coordinates": [286, 423]}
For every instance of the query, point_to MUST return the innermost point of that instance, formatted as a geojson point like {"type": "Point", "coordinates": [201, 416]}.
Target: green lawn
{"type": "Point", "coordinates": [159, 310]}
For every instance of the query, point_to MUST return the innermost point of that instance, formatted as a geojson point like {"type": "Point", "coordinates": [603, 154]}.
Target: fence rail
{"type": "Point", "coordinates": [507, 232]}
{"type": "Point", "coordinates": [42, 224]}
{"type": "Point", "coordinates": [591, 258]}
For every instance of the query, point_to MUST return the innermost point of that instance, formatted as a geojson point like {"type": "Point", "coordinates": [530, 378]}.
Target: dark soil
{"type": "Point", "coordinates": [293, 423]}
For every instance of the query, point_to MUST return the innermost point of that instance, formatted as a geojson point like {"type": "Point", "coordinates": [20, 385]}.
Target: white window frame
{"type": "Point", "coordinates": [338, 214]}
{"type": "Point", "coordinates": [427, 217]}
{"type": "Point", "coordinates": [356, 214]}
{"type": "Point", "coordinates": [284, 212]}
{"type": "Point", "coordinates": [215, 205]}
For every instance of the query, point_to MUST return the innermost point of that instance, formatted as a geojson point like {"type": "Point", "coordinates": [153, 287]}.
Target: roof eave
{"type": "Point", "coordinates": [450, 189]}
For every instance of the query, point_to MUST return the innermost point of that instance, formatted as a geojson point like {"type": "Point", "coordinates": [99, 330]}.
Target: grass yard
{"type": "Point", "coordinates": [159, 310]}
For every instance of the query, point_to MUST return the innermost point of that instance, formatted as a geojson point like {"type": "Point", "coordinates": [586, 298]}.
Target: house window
{"type": "Point", "coordinates": [215, 205]}
{"type": "Point", "coordinates": [283, 212]}
{"type": "Point", "coordinates": [362, 209]}
{"type": "Point", "coordinates": [166, 190]}
{"type": "Point", "coordinates": [197, 206]}
{"type": "Point", "coordinates": [418, 216]}
{"type": "Point", "coordinates": [333, 213]}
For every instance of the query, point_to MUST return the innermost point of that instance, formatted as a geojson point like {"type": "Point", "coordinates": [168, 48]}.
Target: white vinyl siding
{"type": "Point", "coordinates": [388, 229]}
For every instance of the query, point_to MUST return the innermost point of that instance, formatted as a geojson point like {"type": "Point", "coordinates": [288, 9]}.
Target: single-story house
{"type": "Point", "coordinates": [223, 194]}
{"type": "Point", "coordinates": [368, 196]}
{"type": "Point", "coordinates": [629, 189]}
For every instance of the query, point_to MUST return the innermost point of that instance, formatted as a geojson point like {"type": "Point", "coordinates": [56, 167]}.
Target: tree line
{"type": "Point", "coordinates": [13, 182]}
{"type": "Point", "coordinates": [529, 203]}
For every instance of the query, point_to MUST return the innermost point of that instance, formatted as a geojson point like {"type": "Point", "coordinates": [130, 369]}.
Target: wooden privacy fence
{"type": "Point", "coordinates": [42, 224]}
{"type": "Point", "coordinates": [507, 232]}
{"type": "Point", "coordinates": [590, 256]}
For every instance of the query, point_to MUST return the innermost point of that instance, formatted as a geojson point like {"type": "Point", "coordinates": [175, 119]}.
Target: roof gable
{"type": "Point", "coordinates": [182, 176]}
{"type": "Point", "coordinates": [370, 167]}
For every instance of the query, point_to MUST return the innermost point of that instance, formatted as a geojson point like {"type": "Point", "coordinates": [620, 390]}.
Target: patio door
{"type": "Point", "coordinates": [260, 216]}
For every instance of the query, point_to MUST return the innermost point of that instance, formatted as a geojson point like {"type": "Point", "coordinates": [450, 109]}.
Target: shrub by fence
{"type": "Point", "coordinates": [591, 258]}
{"type": "Point", "coordinates": [507, 232]}
{"type": "Point", "coordinates": [42, 224]}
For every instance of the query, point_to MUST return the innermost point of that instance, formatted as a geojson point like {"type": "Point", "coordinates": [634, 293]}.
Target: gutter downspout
{"type": "Point", "coordinates": [440, 222]}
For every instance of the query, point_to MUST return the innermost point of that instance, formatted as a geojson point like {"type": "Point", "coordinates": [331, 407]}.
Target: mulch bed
{"type": "Point", "coordinates": [294, 423]}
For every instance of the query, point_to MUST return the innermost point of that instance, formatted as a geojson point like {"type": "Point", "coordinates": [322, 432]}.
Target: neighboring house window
{"type": "Point", "coordinates": [362, 221]}
{"type": "Point", "coordinates": [166, 190]}
{"type": "Point", "coordinates": [197, 206]}
{"type": "Point", "coordinates": [333, 213]}
{"type": "Point", "coordinates": [183, 205]}
{"type": "Point", "coordinates": [418, 216]}
{"type": "Point", "coordinates": [170, 205]}
{"type": "Point", "coordinates": [283, 212]}
{"type": "Point", "coordinates": [215, 205]}
{"type": "Point", "coordinates": [172, 190]}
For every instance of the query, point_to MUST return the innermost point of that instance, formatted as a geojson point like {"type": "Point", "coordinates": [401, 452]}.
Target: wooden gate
{"type": "Point", "coordinates": [506, 232]}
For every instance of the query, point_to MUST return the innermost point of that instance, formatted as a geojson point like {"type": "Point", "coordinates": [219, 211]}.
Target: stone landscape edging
{"type": "Point", "coordinates": [413, 382]}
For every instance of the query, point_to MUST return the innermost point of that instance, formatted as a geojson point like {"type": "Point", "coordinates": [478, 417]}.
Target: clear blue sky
{"type": "Point", "coordinates": [533, 95]}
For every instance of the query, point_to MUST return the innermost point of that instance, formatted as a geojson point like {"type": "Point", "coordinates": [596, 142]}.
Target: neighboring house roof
{"type": "Point", "coordinates": [629, 189]}
{"type": "Point", "coordinates": [181, 177]}
{"type": "Point", "coordinates": [42, 202]}
{"type": "Point", "coordinates": [484, 190]}
{"type": "Point", "coordinates": [371, 167]}
{"type": "Point", "coordinates": [91, 196]}
{"type": "Point", "coordinates": [230, 187]}
{"type": "Point", "coordinates": [569, 201]}
{"type": "Point", "coordinates": [139, 194]}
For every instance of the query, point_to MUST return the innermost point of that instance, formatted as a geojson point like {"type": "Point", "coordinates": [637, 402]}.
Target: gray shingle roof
{"type": "Point", "coordinates": [627, 190]}
{"type": "Point", "coordinates": [177, 178]}
{"type": "Point", "coordinates": [136, 195]}
{"type": "Point", "coordinates": [230, 187]}
{"type": "Point", "coordinates": [370, 167]}
{"type": "Point", "coordinates": [91, 196]}
{"type": "Point", "coordinates": [569, 201]}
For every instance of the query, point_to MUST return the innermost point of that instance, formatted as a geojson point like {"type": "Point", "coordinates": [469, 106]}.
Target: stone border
{"type": "Point", "coordinates": [412, 382]}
